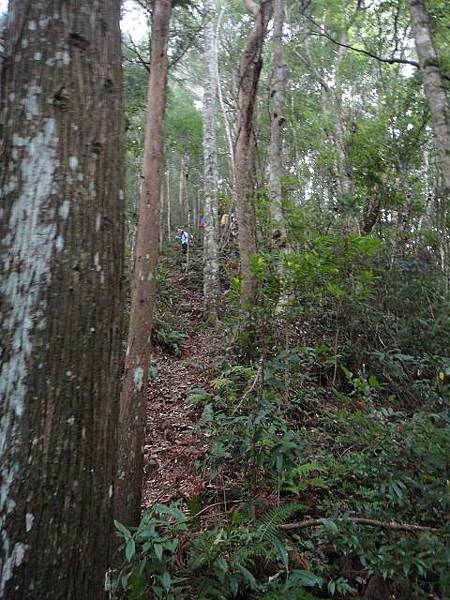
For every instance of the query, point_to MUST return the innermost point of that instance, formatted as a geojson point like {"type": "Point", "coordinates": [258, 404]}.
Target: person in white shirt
{"type": "Point", "coordinates": [183, 236]}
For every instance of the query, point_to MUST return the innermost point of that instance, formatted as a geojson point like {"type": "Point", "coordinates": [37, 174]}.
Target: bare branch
{"type": "Point", "coordinates": [310, 65]}
{"type": "Point", "coordinates": [145, 5]}
{"type": "Point", "coordinates": [134, 49]}
{"type": "Point", "coordinates": [390, 61]}
{"type": "Point", "coordinates": [191, 40]}
{"type": "Point", "coordinates": [360, 521]}
{"type": "Point", "coordinates": [252, 387]}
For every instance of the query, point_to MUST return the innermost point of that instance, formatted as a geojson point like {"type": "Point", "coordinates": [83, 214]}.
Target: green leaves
{"type": "Point", "coordinates": [302, 477]}
{"type": "Point", "coordinates": [166, 581]}
{"type": "Point", "coordinates": [300, 577]}
{"type": "Point", "coordinates": [130, 549]}
{"type": "Point", "coordinates": [330, 526]}
{"type": "Point", "coordinates": [158, 549]}
{"type": "Point", "coordinates": [335, 267]}
{"type": "Point", "coordinates": [124, 532]}
{"type": "Point", "coordinates": [149, 553]}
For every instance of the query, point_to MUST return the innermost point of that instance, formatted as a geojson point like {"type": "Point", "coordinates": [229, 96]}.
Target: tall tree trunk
{"type": "Point", "coordinates": [278, 100]}
{"type": "Point", "coordinates": [210, 244]}
{"type": "Point", "coordinates": [249, 71]}
{"type": "Point", "coordinates": [132, 402]}
{"type": "Point", "coordinates": [162, 220]}
{"type": "Point", "coordinates": [344, 182]}
{"type": "Point", "coordinates": [433, 86]}
{"type": "Point", "coordinates": [61, 296]}
{"type": "Point", "coordinates": [181, 194]}
{"type": "Point", "coordinates": [169, 231]}
{"type": "Point", "coordinates": [226, 123]}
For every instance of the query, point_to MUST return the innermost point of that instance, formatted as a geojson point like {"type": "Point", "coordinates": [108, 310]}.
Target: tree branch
{"type": "Point", "coordinates": [360, 521]}
{"type": "Point", "coordinates": [145, 5]}
{"type": "Point", "coordinates": [253, 385]}
{"type": "Point", "coordinates": [309, 64]}
{"type": "Point", "coordinates": [390, 61]}
{"type": "Point", "coordinates": [134, 49]}
{"type": "Point", "coordinates": [188, 45]}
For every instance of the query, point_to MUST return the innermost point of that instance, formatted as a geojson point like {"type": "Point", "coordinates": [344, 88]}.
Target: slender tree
{"type": "Point", "coordinates": [278, 101]}
{"type": "Point", "coordinates": [226, 123]}
{"type": "Point", "coordinates": [433, 86]}
{"type": "Point", "coordinates": [210, 245]}
{"type": "Point", "coordinates": [278, 87]}
{"type": "Point", "coordinates": [249, 72]}
{"type": "Point", "coordinates": [168, 197]}
{"type": "Point", "coordinates": [132, 402]}
{"type": "Point", "coordinates": [344, 182]}
{"type": "Point", "coordinates": [60, 295]}
{"type": "Point", "coordinates": [181, 190]}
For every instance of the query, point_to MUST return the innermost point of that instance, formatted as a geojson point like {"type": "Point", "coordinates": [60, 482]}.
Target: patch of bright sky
{"type": "Point", "coordinates": [133, 22]}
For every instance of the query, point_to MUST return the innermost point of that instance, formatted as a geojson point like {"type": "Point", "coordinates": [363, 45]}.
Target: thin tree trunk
{"type": "Point", "coordinates": [277, 95]}
{"type": "Point", "coordinates": [345, 185]}
{"type": "Point", "coordinates": [181, 196]}
{"type": "Point", "coordinates": [250, 69]}
{"type": "Point", "coordinates": [226, 123]}
{"type": "Point", "coordinates": [433, 86]}
{"type": "Point", "coordinates": [194, 211]}
{"type": "Point", "coordinates": [210, 244]}
{"type": "Point", "coordinates": [169, 229]}
{"type": "Point", "coordinates": [278, 102]}
{"type": "Point", "coordinates": [162, 215]}
{"type": "Point", "coordinates": [132, 404]}
{"type": "Point", "coordinates": [198, 209]}
{"type": "Point", "coordinates": [332, 102]}
{"type": "Point", "coordinates": [61, 261]}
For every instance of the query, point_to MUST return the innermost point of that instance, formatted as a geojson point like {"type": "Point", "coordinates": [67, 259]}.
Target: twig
{"type": "Point", "coordinates": [305, 60]}
{"type": "Point", "coordinates": [134, 49]}
{"type": "Point", "coordinates": [251, 388]}
{"type": "Point", "coordinates": [360, 521]}
{"type": "Point", "coordinates": [189, 44]}
{"type": "Point", "coordinates": [145, 5]}
{"type": "Point", "coordinates": [203, 510]}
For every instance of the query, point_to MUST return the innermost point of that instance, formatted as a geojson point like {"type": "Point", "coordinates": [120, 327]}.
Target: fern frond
{"type": "Point", "coordinates": [246, 554]}
{"type": "Point", "coordinates": [268, 529]}
{"type": "Point", "coordinates": [306, 469]}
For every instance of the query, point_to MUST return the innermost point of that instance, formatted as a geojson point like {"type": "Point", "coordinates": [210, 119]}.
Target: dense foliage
{"type": "Point", "coordinates": [329, 422]}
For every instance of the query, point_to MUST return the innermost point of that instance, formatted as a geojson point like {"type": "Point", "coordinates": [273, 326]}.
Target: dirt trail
{"type": "Point", "coordinates": [171, 443]}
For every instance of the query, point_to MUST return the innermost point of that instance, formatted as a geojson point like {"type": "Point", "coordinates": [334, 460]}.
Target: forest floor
{"type": "Point", "coordinates": [173, 444]}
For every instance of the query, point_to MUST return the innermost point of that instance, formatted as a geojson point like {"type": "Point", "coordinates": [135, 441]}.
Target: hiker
{"type": "Point", "coordinates": [183, 236]}
{"type": "Point", "coordinates": [233, 225]}
{"type": "Point", "coordinates": [224, 221]}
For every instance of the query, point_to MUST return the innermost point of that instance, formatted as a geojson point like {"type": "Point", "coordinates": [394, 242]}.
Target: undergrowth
{"type": "Point", "coordinates": [329, 440]}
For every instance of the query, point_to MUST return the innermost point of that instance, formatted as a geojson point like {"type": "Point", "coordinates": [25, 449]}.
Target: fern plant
{"type": "Point", "coordinates": [304, 476]}
{"type": "Point", "coordinates": [242, 559]}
